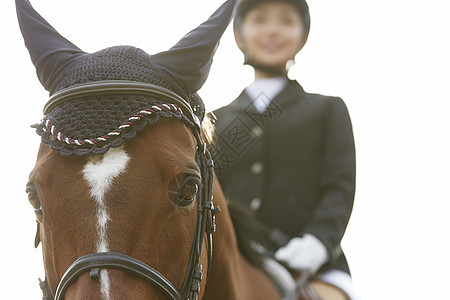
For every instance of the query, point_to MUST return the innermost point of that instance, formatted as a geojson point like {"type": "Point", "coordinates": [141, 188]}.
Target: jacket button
{"type": "Point", "coordinates": [257, 131]}
{"type": "Point", "coordinates": [255, 203]}
{"type": "Point", "coordinates": [257, 168]}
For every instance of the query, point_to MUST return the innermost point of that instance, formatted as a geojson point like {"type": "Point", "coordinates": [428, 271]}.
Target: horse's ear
{"type": "Point", "coordinates": [189, 61]}
{"type": "Point", "coordinates": [49, 51]}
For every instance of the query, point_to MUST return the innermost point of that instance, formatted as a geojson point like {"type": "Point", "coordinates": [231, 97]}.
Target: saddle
{"type": "Point", "coordinates": [289, 287]}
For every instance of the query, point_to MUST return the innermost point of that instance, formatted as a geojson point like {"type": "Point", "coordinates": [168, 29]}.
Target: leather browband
{"type": "Point", "coordinates": [108, 87]}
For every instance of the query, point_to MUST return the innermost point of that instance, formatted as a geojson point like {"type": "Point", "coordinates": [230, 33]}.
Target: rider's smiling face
{"type": "Point", "coordinates": [271, 34]}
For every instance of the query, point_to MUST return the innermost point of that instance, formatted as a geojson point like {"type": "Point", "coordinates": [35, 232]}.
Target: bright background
{"type": "Point", "coordinates": [388, 59]}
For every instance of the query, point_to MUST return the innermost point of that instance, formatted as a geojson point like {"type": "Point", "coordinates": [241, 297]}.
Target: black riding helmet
{"type": "Point", "coordinates": [246, 5]}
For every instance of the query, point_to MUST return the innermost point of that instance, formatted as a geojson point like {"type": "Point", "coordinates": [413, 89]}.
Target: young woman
{"type": "Point", "coordinates": [287, 154]}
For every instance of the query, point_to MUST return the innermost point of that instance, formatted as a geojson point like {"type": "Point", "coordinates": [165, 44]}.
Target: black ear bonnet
{"type": "Point", "coordinates": [86, 120]}
{"type": "Point", "coordinates": [91, 124]}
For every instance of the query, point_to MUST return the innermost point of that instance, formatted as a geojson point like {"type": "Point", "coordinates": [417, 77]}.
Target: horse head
{"type": "Point", "coordinates": [122, 186]}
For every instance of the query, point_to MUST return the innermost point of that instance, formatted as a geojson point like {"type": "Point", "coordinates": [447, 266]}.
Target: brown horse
{"type": "Point", "coordinates": [122, 201]}
{"type": "Point", "coordinates": [126, 201]}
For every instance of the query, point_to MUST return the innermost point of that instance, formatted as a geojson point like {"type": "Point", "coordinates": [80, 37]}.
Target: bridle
{"type": "Point", "coordinates": [205, 223]}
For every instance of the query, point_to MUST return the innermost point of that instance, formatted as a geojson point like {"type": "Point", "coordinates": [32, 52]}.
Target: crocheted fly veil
{"type": "Point", "coordinates": [91, 123]}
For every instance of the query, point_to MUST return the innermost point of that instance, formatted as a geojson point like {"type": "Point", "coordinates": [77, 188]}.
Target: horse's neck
{"type": "Point", "coordinates": [231, 276]}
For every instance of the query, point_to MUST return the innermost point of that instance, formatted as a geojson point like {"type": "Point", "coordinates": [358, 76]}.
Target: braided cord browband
{"type": "Point", "coordinates": [175, 104]}
{"type": "Point", "coordinates": [48, 126]}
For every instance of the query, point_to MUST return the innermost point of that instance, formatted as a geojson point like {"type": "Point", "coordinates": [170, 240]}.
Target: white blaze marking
{"type": "Point", "coordinates": [99, 172]}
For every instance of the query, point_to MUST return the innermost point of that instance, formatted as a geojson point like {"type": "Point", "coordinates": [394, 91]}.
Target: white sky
{"type": "Point", "coordinates": [388, 59]}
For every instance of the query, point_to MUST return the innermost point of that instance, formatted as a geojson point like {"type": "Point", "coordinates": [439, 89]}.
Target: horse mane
{"type": "Point", "coordinates": [250, 232]}
{"type": "Point", "coordinates": [208, 130]}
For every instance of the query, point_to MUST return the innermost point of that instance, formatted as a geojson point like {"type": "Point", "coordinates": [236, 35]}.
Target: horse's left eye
{"type": "Point", "coordinates": [189, 190]}
{"type": "Point", "coordinates": [185, 191]}
{"type": "Point", "coordinates": [33, 198]}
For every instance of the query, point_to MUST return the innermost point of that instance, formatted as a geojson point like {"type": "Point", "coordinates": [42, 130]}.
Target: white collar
{"type": "Point", "coordinates": [262, 91]}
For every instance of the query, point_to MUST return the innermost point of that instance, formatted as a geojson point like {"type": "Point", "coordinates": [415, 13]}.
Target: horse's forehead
{"type": "Point", "coordinates": [168, 147]}
{"type": "Point", "coordinates": [170, 139]}
{"type": "Point", "coordinates": [50, 162]}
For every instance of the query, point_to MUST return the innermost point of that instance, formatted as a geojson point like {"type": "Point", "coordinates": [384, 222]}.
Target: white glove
{"type": "Point", "coordinates": [303, 254]}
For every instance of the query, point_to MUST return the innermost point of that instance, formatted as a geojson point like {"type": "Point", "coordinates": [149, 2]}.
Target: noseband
{"type": "Point", "coordinates": [205, 224]}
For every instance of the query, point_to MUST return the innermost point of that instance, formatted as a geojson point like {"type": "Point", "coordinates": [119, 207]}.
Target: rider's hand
{"type": "Point", "coordinates": [303, 254]}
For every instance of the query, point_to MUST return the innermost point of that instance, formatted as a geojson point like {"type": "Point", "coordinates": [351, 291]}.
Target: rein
{"type": "Point", "coordinates": [205, 224]}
